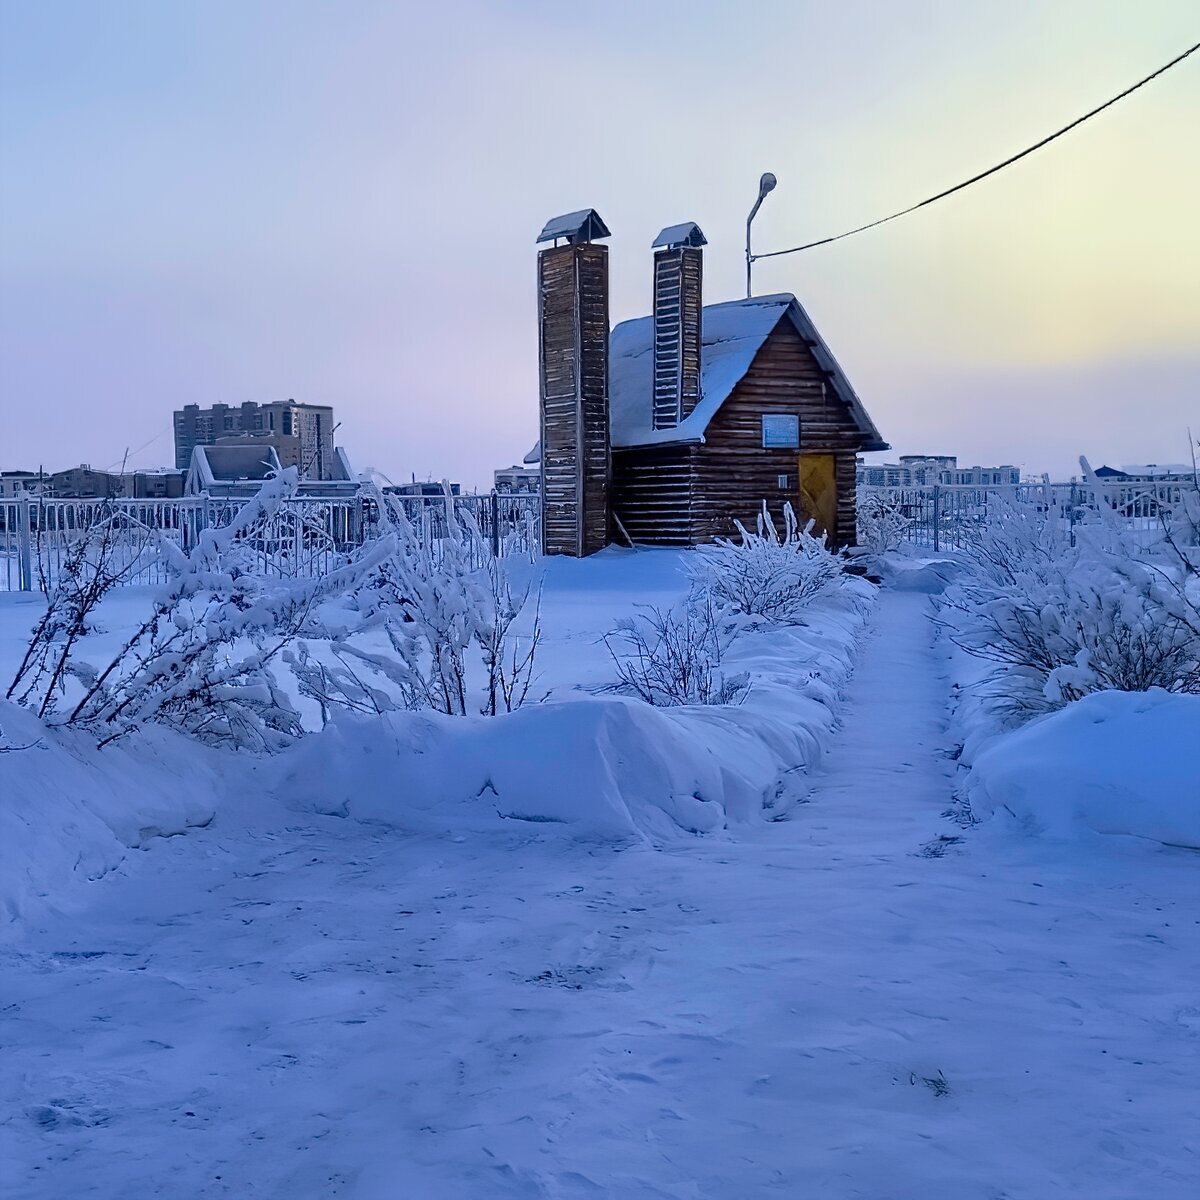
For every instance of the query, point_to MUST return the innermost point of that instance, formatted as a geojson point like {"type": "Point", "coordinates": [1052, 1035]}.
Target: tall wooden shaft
{"type": "Point", "coordinates": [573, 385]}
{"type": "Point", "coordinates": [678, 287]}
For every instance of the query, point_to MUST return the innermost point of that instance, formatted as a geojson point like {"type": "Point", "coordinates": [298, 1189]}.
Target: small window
{"type": "Point", "coordinates": [781, 431]}
{"type": "Point", "coordinates": [783, 482]}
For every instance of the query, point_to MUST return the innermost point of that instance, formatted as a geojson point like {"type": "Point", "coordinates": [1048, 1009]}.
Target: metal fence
{"type": "Point", "coordinates": [947, 517]}
{"type": "Point", "coordinates": [307, 538]}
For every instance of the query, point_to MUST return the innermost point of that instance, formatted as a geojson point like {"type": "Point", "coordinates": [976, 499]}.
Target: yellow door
{"type": "Point", "coordinates": [818, 492]}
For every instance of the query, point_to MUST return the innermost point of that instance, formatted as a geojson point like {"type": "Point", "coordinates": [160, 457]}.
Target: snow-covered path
{"type": "Point", "coordinates": [842, 1005]}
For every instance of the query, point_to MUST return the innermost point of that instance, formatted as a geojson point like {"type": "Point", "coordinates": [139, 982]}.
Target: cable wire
{"type": "Point", "coordinates": [958, 187]}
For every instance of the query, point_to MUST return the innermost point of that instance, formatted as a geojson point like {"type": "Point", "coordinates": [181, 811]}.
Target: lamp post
{"type": "Point", "coordinates": [765, 185]}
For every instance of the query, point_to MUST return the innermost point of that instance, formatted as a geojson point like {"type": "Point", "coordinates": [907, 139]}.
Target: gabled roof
{"type": "Point", "coordinates": [686, 234]}
{"type": "Point", "coordinates": [582, 226]}
{"type": "Point", "coordinates": [733, 334]}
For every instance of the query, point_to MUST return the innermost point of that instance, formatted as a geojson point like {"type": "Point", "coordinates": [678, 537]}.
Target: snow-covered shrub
{"type": "Point", "coordinates": [461, 634]}
{"type": "Point", "coordinates": [882, 524]}
{"type": "Point", "coordinates": [1063, 616]}
{"type": "Point", "coordinates": [112, 548]}
{"type": "Point", "coordinates": [1181, 542]}
{"type": "Point", "coordinates": [202, 660]}
{"type": "Point", "coordinates": [765, 574]}
{"type": "Point", "coordinates": [673, 656]}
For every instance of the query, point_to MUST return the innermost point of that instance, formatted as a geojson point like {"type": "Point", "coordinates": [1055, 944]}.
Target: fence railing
{"type": "Point", "coordinates": [947, 517]}
{"type": "Point", "coordinates": [307, 538]}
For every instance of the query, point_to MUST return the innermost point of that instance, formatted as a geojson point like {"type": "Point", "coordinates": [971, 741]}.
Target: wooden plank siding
{"type": "Point", "coordinates": [653, 488]}
{"type": "Point", "coordinates": [596, 459]}
{"type": "Point", "coordinates": [573, 362]}
{"type": "Point", "coordinates": [678, 324]}
{"type": "Point", "coordinates": [684, 494]}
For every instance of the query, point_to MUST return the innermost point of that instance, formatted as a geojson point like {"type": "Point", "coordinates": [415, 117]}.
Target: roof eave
{"type": "Point", "coordinates": [841, 384]}
{"type": "Point", "coordinates": [690, 440]}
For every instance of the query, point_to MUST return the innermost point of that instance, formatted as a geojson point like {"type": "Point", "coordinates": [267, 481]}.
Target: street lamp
{"type": "Point", "coordinates": [765, 185]}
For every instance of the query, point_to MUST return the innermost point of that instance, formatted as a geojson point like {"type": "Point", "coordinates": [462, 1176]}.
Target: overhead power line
{"type": "Point", "coordinates": [958, 187]}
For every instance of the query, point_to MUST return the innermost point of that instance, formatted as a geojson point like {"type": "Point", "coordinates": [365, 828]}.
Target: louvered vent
{"type": "Point", "coordinates": [678, 287]}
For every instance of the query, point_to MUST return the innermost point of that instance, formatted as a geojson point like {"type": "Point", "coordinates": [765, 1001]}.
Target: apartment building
{"type": "Point", "coordinates": [300, 434]}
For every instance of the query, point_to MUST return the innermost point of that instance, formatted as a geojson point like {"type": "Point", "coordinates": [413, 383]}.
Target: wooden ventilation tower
{"type": "Point", "coordinates": [573, 384]}
{"type": "Point", "coordinates": [678, 286]}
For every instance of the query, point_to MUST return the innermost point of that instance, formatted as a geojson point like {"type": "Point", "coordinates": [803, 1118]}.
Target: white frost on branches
{"type": "Point", "coordinates": [768, 575]}
{"type": "Point", "coordinates": [882, 524]}
{"type": "Point", "coordinates": [1063, 615]}
{"type": "Point", "coordinates": [673, 656]}
{"type": "Point", "coordinates": [439, 624]}
{"type": "Point", "coordinates": [203, 661]}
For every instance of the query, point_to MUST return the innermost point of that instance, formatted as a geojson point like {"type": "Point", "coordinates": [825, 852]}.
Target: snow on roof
{"type": "Point", "coordinates": [687, 234]}
{"type": "Point", "coordinates": [582, 226]}
{"type": "Point", "coordinates": [1151, 469]}
{"type": "Point", "coordinates": [241, 462]}
{"type": "Point", "coordinates": [733, 333]}
{"type": "Point", "coordinates": [224, 467]}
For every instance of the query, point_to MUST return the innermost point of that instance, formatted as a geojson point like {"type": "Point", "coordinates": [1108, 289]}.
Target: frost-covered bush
{"type": "Point", "coordinates": [111, 550]}
{"type": "Point", "coordinates": [440, 624]}
{"type": "Point", "coordinates": [674, 656]}
{"type": "Point", "coordinates": [765, 574]}
{"type": "Point", "coordinates": [203, 660]}
{"type": "Point", "coordinates": [1062, 616]}
{"type": "Point", "coordinates": [882, 524]}
{"type": "Point", "coordinates": [1181, 541]}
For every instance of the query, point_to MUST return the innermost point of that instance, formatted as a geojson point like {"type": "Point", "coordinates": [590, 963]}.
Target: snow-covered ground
{"type": "Point", "coordinates": [862, 999]}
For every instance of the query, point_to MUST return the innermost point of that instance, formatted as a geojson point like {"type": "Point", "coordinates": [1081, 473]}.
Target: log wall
{"type": "Point", "coordinates": [573, 386]}
{"type": "Point", "coordinates": [684, 494]}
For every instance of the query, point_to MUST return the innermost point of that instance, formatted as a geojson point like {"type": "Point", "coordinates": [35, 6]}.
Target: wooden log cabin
{"type": "Point", "coordinates": [712, 409]}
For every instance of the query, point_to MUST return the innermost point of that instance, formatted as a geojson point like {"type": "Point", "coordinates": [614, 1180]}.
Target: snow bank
{"type": "Point", "coordinates": [604, 767]}
{"type": "Point", "coordinates": [1113, 763]}
{"type": "Point", "coordinates": [70, 813]}
{"type": "Point", "coordinates": [913, 574]}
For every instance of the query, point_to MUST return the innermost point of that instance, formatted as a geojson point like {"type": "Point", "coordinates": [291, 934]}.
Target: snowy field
{"type": "Point", "coordinates": [570, 953]}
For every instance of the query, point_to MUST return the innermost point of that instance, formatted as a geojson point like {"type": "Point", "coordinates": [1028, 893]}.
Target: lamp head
{"type": "Point", "coordinates": [766, 184]}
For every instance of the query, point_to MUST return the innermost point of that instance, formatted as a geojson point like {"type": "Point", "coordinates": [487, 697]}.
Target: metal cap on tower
{"type": "Point", "coordinates": [582, 226]}
{"type": "Point", "coordinates": [687, 234]}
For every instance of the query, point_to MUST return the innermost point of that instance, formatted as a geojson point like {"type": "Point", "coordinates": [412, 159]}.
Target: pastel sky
{"type": "Point", "coordinates": [337, 202]}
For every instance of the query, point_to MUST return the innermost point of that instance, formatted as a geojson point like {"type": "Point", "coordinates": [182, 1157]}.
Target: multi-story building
{"type": "Point", "coordinates": [1148, 473]}
{"type": "Point", "coordinates": [13, 483]}
{"type": "Point", "coordinates": [161, 483]}
{"type": "Point", "coordinates": [925, 470]}
{"type": "Point", "coordinates": [301, 434]}
{"type": "Point", "coordinates": [85, 483]}
{"type": "Point", "coordinates": [1004, 476]}
{"type": "Point", "coordinates": [515, 479]}
{"type": "Point", "coordinates": [426, 488]}
{"type": "Point", "coordinates": [881, 475]}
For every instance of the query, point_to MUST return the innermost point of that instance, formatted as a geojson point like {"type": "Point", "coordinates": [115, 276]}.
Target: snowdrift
{"type": "Point", "coordinates": [603, 767]}
{"type": "Point", "coordinates": [70, 813]}
{"type": "Point", "coordinates": [912, 574]}
{"type": "Point", "coordinates": [1112, 763]}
